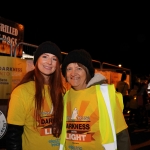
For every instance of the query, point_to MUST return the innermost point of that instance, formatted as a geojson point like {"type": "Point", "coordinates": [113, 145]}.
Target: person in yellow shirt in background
{"type": "Point", "coordinates": [93, 117]}
{"type": "Point", "coordinates": [123, 87]}
{"type": "Point", "coordinates": [36, 104]}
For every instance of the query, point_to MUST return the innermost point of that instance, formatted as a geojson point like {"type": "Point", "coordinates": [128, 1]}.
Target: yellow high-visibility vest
{"type": "Point", "coordinates": [106, 95]}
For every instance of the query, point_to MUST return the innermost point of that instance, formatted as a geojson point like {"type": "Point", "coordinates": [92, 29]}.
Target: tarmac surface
{"type": "Point", "coordinates": [139, 135]}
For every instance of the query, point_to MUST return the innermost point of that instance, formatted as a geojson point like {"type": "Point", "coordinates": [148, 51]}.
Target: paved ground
{"type": "Point", "coordinates": [140, 138]}
{"type": "Point", "coordinates": [139, 135]}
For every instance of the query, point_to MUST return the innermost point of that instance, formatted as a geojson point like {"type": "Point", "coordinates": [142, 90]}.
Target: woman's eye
{"type": "Point", "coordinates": [55, 59]}
{"type": "Point", "coordinates": [68, 69]}
{"type": "Point", "coordinates": [44, 56]}
{"type": "Point", "coordinates": [79, 68]}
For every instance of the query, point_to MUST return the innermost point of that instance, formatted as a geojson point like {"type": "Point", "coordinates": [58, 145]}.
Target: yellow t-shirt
{"type": "Point", "coordinates": [83, 120]}
{"type": "Point", "coordinates": [21, 112]}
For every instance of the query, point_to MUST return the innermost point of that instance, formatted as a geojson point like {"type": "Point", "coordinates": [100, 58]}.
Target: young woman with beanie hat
{"type": "Point", "coordinates": [36, 104]}
{"type": "Point", "coordinates": [93, 118]}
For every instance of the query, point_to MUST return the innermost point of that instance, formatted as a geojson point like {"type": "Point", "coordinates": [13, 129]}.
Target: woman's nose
{"type": "Point", "coordinates": [49, 61]}
{"type": "Point", "coordinates": [73, 72]}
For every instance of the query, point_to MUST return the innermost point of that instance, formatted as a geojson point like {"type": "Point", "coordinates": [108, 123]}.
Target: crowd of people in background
{"type": "Point", "coordinates": [138, 102]}
{"type": "Point", "coordinates": [123, 87]}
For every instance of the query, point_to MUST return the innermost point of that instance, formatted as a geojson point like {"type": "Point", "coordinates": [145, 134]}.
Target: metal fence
{"type": "Point", "coordinates": [28, 50]}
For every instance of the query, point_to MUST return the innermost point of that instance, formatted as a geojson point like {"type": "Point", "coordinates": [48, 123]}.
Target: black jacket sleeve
{"type": "Point", "coordinates": [14, 137]}
{"type": "Point", "coordinates": [123, 140]}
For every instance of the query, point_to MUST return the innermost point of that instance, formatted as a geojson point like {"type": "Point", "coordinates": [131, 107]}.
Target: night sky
{"type": "Point", "coordinates": [115, 36]}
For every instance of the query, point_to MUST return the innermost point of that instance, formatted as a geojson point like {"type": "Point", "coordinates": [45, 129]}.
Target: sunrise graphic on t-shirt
{"type": "Point", "coordinates": [78, 124]}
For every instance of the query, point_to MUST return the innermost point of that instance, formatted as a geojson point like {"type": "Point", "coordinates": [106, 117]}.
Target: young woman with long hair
{"type": "Point", "coordinates": [36, 104]}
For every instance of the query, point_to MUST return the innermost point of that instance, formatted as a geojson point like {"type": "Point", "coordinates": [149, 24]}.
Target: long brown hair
{"type": "Point", "coordinates": [56, 92]}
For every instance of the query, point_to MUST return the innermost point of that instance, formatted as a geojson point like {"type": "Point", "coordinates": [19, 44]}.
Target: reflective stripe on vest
{"type": "Point", "coordinates": [107, 90]}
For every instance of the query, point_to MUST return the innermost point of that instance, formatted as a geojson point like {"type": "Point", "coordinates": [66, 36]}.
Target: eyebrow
{"type": "Point", "coordinates": [47, 54]}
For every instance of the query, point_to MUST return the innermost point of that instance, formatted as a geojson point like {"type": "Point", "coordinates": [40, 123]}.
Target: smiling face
{"type": "Point", "coordinates": [76, 76]}
{"type": "Point", "coordinates": [47, 64]}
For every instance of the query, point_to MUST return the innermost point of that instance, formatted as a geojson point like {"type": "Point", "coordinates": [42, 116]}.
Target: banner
{"type": "Point", "coordinates": [12, 32]}
{"type": "Point", "coordinates": [11, 72]}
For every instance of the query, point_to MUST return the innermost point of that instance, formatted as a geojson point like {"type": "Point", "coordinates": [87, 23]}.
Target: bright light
{"type": "Point", "coordinates": [24, 56]}
{"type": "Point", "coordinates": [128, 111]}
{"type": "Point", "coordinates": [120, 65]}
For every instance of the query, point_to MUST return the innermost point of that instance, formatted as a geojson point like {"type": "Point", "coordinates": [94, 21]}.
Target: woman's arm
{"type": "Point", "coordinates": [123, 140]}
{"type": "Point", "coordinates": [14, 137]}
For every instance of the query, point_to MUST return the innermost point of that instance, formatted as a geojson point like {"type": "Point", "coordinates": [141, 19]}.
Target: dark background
{"type": "Point", "coordinates": [113, 32]}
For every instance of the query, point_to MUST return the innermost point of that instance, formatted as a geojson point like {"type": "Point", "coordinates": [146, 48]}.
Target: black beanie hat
{"type": "Point", "coordinates": [47, 47]}
{"type": "Point", "coordinates": [78, 56]}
